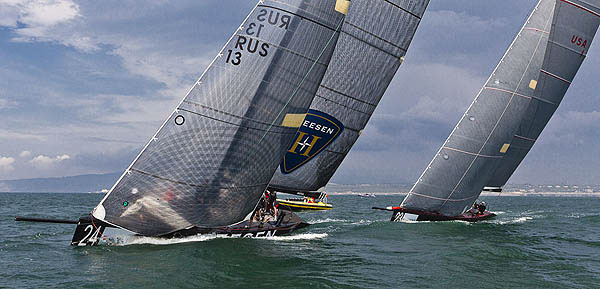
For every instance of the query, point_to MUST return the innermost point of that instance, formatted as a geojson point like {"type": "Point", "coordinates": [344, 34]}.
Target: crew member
{"type": "Point", "coordinates": [482, 208]}
{"type": "Point", "coordinates": [474, 210]}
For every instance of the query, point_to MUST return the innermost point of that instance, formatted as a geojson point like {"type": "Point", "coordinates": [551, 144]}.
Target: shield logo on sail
{"type": "Point", "coordinates": [316, 132]}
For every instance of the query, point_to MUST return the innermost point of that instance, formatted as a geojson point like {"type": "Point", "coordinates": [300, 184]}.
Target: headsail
{"type": "Point", "coordinates": [212, 159]}
{"type": "Point", "coordinates": [574, 27]}
{"type": "Point", "coordinates": [374, 40]}
{"type": "Point", "coordinates": [456, 175]}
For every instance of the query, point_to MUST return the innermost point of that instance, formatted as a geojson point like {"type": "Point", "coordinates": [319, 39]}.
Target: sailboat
{"type": "Point", "coordinates": [374, 40]}
{"type": "Point", "coordinates": [576, 23]}
{"type": "Point", "coordinates": [205, 169]}
{"type": "Point", "coordinates": [454, 179]}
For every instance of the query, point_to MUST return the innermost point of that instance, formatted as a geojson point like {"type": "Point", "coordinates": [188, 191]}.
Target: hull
{"type": "Point", "coordinates": [90, 231]}
{"type": "Point", "coordinates": [416, 215]}
{"type": "Point", "coordinates": [287, 223]}
{"type": "Point", "coordinates": [297, 206]}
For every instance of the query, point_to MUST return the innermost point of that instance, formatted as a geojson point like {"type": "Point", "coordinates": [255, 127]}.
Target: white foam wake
{"type": "Point", "coordinates": [305, 236]}
{"type": "Point", "coordinates": [127, 240]}
{"type": "Point", "coordinates": [515, 221]}
{"type": "Point", "coordinates": [328, 220]}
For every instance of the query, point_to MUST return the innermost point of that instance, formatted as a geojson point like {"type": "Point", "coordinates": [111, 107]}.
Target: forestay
{"type": "Point", "coordinates": [456, 175]}
{"type": "Point", "coordinates": [212, 159]}
{"type": "Point", "coordinates": [574, 27]}
{"type": "Point", "coordinates": [375, 37]}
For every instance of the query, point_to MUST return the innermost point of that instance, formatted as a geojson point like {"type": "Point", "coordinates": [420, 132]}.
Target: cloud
{"type": "Point", "coordinates": [25, 154]}
{"type": "Point", "coordinates": [20, 136]}
{"type": "Point", "coordinates": [6, 103]}
{"type": "Point", "coordinates": [31, 19]}
{"type": "Point", "coordinates": [6, 164]}
{"type": "Point", "coordinates": [42, 161]}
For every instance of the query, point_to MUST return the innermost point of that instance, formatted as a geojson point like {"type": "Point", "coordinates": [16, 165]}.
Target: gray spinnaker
{"type": "Point", "coordinates": [463, 165]}
{"type": "Point", "coordinates": [212, 159]}
{"type": "Point", "coordinates": [375, 37]}
{"type": "Point", "coordinates": [575, 25]}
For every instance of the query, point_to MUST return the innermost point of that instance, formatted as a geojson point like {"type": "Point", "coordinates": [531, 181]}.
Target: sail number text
{"type": "Point", "coordinates": [250, 44]}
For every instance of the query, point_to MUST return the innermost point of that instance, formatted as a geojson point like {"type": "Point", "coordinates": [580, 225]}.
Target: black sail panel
{"type": "Point", "coordinates": [210, 162]}
{"type": "Point", "coordinates": [372, 45]}
{"type": "Point", "coordinates": [575, 25]}
{"type": "Point", "coordinates": [458, 172]}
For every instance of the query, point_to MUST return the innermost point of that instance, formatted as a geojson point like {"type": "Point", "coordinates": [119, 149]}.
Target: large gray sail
{"type": "Point", "coordinates": [575, 25]}
{"type": "Point", "coordinates": [458, 172]}
{"type": "Point", "coordinates": [375, 37]}
{"type": "Point", "coordinates": [212, 159]}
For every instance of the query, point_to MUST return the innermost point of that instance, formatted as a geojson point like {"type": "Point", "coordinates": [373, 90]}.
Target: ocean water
{"type": "Point", "coordinates": [535, 242]}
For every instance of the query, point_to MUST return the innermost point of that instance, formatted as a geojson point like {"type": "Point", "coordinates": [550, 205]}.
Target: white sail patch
{"type": "Point", "coordinates": [99, 212]}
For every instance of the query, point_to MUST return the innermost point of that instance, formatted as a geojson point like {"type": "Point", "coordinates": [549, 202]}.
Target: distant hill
{"type": "Point", "coordinates": [74, 184]}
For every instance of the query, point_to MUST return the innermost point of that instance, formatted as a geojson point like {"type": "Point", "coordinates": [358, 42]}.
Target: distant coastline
{"type": "Point", "coordinates": [100, 183]}
{"type": "Point", "coordinates": [485, 194]}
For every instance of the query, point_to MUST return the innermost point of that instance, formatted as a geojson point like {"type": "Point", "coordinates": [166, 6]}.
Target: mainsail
{"type": "Point", "coordinates": [212, 159]}
{"type": "Point", "coordinates": [574, 27]}
{"type": "Point", "coordinates": [464, 164]}
{"type": "Point", "coordinates": [375, 37]}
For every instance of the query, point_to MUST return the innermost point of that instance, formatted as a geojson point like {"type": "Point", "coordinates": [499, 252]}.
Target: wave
{"type": "Point", "coordinates": [305, 236]}
{"type": "Point", "coordinates": [328, 220]}
{"type": "Point", "coordinates": [514, 221]}
{"type": "Point", "coordinates": [362, 222]}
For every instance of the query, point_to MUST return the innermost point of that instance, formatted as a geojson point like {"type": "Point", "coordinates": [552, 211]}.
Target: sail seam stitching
{"type": "Point", "coordinates": [225, 113]}
{"type": "Point", "coordinates": [403, 9]}
{"type": "Point", "coordinates": [286, 50]}
{"type": "Point", "coordinates": [443, 199]}
{"type": "Point", "coordinates": [295, 14]}
{"type": "Point", "coordinates": [525, 138]}
{"type": "Point", "coordinates": [348, 96]}
{"type": "Point", "coordinates": [581, 7]}
{"type": "Point", "coordinates": [583, 54]}
{"type": "Point", "coordinates": [537, 30]}
{"type": "Point", "coordinates": [470, 153]}
{"type": "Point", "coordinates": [342, 105]}
{"type": "Point", "coordinates": [374, 35]}
{"type": "Point", "coordinates": [193, 185]}
{"type": "Point", "coordinates": [508, 91]}
{"type": "Point", "coordinates": [555, 76]}
{"type": "Point", "coordinates": [239, 125]}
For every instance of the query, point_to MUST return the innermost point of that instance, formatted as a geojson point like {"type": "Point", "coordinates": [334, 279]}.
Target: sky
{"type": "Point", "coordinates": [85, 84]}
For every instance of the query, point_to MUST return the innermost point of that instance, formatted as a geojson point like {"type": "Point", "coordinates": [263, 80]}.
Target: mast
{"type": "Point", "coordinates": [374, 40]}
{"type": "Point", "coordinates": [463, 165]}
{"type": "Point", "coordinates": [574, 27]}
{"type": "Point", "coordinates": [211, 160]}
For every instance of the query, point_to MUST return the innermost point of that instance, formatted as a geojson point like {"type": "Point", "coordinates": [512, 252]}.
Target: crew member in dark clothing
{"type": "Point", "coordinates": [271, 207]}
{"type": "Point", "coordinates": [482, 208]}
